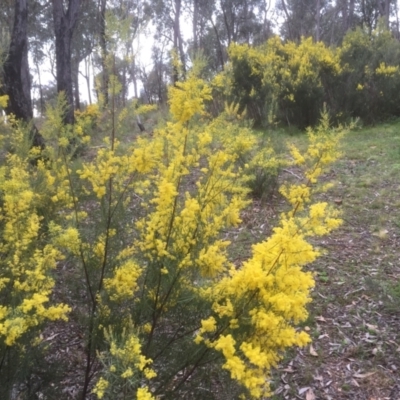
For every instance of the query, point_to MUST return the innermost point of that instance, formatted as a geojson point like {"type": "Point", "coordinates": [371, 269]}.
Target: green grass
{"type": "Point", "coordinates": [358, 276]}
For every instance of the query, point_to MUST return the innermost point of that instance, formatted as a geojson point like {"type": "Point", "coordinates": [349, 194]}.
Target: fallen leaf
{"type": "Point", "coordinates": [323, 336]}
{"type": "Point", "coordinates": [303, 390]}
{"type": "Point", "coordinates": [362, 376]}
{"type": "Point", "coordinates": [48, 339]}
{"type": "Point", "coordinates": [313, 352]}
{"type": "Point", "coordinates": [382, 234]}
{"type": "Point", "coordinates": [290, 370]}
{"type": "Point", "coordinates": [372, 327]}
{"type": "Point", "coordinates": [310, 395]}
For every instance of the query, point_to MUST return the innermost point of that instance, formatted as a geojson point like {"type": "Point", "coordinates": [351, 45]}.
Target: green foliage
{"type": "Point", "coordinates": [279, 82]}
{"type": "Point", "coordinates": [141, 224]}
{"type": "Point", "coordinates": [370, 81]}
{"type": "Point", "coordinates": [289, 83]}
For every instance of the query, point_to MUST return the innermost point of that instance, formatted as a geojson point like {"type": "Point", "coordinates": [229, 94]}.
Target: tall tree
{"type": "Point", "coordinates": [83, 44]}
{"type": "Point", "coordinates": [217, 24]}
{"type": "Point", "coordinates": [324, 20]}
{"type": "Point", "coordinates": [16, 75]}
{"type": "Point", "coordinates": [64, 24]}
{"type": "Point", "coordinates": [168, 14]}
{"type": "Point", "coordinates": [119, 24]}
{"type": "Point", "coordinates": [372, 10]}
{"type": "Point", "coordinates": [104, 50]}
{"type": "Point", "coordinates": [241, 20]}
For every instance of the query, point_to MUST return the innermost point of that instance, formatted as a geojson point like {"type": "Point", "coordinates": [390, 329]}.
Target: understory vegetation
{"type": "Point", "coordinates": [288, 83]}
{"type": "Point", "coordinates": [123, 240]}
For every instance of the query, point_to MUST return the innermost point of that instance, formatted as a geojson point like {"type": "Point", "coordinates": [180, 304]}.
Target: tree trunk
{"type": "Point", "coordinates": [351, 15]}
{"type": "Point", "coordinates": [194, 24]}
{"type": "Point", "coordinates": [17, 83]}
{"type": "Point", "coordinates": [345, 16]}
{"type": "Point", "coordinates": [384, 11]}
{"type": "Point", "coordinates": [87, 78]}
{"type": "Point", "coordinates": [178, 44]}
{"type": "Point", "coordinates": [397, 21]}
{"type": "Point", "coordinates": [227, 25]}
{"type": "Point", "coordinates": [104, 53]}
{"type": "Point", "coordinates": [318, 21]}
{"type": "Point", "coordinates": [41, 101]}
{"type": "Point", "coordinates": [75, 81]}
{"type": "Point", "coordinates": [133, 75]}
{"type": "Point", "coordinates": [64, 24]}
{"type": "Point", "coordinates": [288, 21]}
{"type": "Point", "coordinates": [220, 50]}
{"type": "Point", "coordinates": [17, 86]}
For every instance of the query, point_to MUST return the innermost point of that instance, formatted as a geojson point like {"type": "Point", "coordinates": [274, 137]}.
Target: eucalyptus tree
{"type": "Point", "coordinates": [347, 8]}
{"type": "Point", "coordinates": [167, 16]}
{"type": "Point", "coordinates": [41, 40]}
{"type": "Point", "coordinates": [216, 25]}
{"type": "Point", "coordinates": [16, 74]}
{"type": "Point", "coordinates": [64, 24]}
{"type": "Point", "coordinates": [155, 81]}
{"type": "Point", "coordinates": [302, 18]}
{"type": "Point", "coordinates": [241, 20]}
{"type": "Point", "coordinates": [7, 8]}
{"type": "Point", "coordinates": [324, 20]}
{"type": "Point", "coordinates": [84, 41]}
{"type": "Point", "coordinates": [372, 10]}
{"type": "Point", "coordinates": [120, 23]}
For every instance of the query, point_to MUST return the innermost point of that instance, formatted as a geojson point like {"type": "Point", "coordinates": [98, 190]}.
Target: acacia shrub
{"type": "Point", "coordinates": [162, 306]}
{"type": "Point", "coordinates": [291, 83]}
{"type": "Point", "coordinates": [286, 83]}
{"type": "Point", "coordinates": [189, 314]}
{"type": "Point", "coordinates": [369, 85]}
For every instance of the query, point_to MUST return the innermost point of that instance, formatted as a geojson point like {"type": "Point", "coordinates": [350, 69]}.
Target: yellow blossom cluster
{"type": "Point", "coordinates": [277, 75]}
{"type": "Point", "coordinates": [125, 365]}
{"type": "Point", "coordinates": [387, 70]}
{"type": "Point", "coordinates": [25, 280]}
{"type": "Point", "coordinates": [187, 98]}
{"type": "Point", "coordinates": [270, 291]}
{"type": "Point", "coordinates": [3, 101]}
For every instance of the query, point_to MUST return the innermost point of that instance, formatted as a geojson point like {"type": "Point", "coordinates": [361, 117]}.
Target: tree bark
{"type": "Point", "coordinates": [41, 101]}
{"type": "Point", "coordinates": [227, 25]}
{"type": "Point", "coordinates": [17, 86]}
{"type": "Point", "coordinates": [75, 84]}
{"type": "Point", "coordinates": [287, 20]}
{"type": "Point", "coordinates": [220, 50]}
{"type": "Point", "coordinates": [194, 24]}
{"type": "Point", "coordinates": [178, 44]}
{"type": "Point", "coordinates": [104, 53]}
{"type": "Point", "coordinates": [318, 21]}
{"type": "Point", "coordinates": [345, 16]}
{"type": "Point", "coordinates": [351, 14]}
{"type": "Point", "coordinates": [87, 78]}
{"type": "Point", "coordinates": [17, 83]}
{"type": "Point", "coordinates": [133, 75]}
{"type": "Point", "coordinates": [64, 24]}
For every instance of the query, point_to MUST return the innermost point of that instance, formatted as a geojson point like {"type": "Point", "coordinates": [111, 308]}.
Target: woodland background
{"type": "Point", "coordinates": [74, 39]}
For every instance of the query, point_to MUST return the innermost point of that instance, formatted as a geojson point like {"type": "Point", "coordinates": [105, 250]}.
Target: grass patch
{"type": "Point", "coordinates": [357, 294]}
